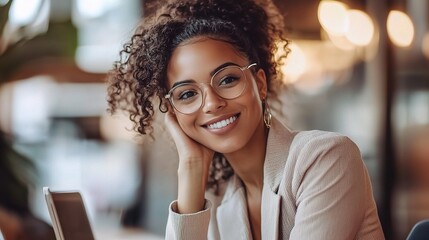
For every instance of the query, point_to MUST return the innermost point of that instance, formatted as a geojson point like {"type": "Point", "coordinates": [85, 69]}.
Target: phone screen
{"type": "Point", "coordinates": [72, 216]}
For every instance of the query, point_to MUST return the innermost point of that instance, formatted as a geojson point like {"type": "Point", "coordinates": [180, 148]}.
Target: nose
{"type": "Point", "coordinates": [212, 101]}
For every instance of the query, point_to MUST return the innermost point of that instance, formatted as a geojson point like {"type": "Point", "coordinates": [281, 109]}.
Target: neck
{"type": "Point", "coordinates": [248, 162]}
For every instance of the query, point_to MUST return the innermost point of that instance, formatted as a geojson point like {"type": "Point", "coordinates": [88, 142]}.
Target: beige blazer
{"type": "Point", "coordinates": [316, 186]}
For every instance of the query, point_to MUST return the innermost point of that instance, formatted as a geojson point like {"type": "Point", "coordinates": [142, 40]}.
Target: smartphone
{"type": "Point", "coordinates": [68, 215]}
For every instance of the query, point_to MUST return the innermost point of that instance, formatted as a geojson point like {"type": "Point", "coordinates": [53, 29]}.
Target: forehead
{"type": "Point", "coordinates": [195, 60]}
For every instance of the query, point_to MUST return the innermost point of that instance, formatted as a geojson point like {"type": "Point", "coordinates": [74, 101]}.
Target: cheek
{"type": "Point", "coordinates": [253, 97]}
{"type": "Point", "coordinates": [254, 104]}
{"type": "Point", "coordinates": [255, 91]}
{"type": "Point", "coordinates": [186, 123]}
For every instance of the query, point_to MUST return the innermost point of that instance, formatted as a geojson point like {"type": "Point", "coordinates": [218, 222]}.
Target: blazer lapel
{"type": "Point", "coordinates": [270, 214]}
{"type": "Point", "coordinates": [279, 140]}
{"type": "Point", "coordinates": [232, 213]}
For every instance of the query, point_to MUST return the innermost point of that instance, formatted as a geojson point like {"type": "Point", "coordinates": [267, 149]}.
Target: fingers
{"type": "Point", "coordinates": [180, 138]}
{"type": "Point", "coordinates": [186, 146]}
{"type": "Point", "coordinates": [173, 126]}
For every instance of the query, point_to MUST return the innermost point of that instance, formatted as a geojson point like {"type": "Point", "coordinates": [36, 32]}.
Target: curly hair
{"type": "Point", "coordinates": [139, 78]}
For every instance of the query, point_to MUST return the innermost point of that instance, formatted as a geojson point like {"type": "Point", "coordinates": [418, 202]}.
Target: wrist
{"type": "Point", "coordinates": [191, 187]}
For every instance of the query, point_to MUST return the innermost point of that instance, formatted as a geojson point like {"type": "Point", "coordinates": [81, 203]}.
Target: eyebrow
{"type": "Point", "coordinates": [222, 66]}
{"type": "Point", "coordinates": [211, 73]}
{"type": "Point", "coordinates": [182, 82]}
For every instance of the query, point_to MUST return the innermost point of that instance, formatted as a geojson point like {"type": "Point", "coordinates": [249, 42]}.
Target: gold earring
{"type": "Point", "coordinates": [267, 113]}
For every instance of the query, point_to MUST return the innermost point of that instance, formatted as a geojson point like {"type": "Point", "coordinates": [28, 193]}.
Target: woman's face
{"type": "Point", "coordinates": [197, 61]}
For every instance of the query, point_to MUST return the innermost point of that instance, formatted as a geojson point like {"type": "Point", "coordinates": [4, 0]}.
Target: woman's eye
{"type": "Point", "coordinates": [228, 80]}
{"type": "Point", "coordinates": [186, 95]}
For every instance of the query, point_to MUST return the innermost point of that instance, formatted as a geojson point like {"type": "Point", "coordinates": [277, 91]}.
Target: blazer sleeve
{"type": "Point", "coordinates": [331, 188]}
{"type": "Point", "coordinates": [187, 226]}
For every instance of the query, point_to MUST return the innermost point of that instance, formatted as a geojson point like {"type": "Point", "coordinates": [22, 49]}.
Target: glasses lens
{"type": "Point", "coordinates": [229, 82]}
{"type": "Point", "coordinates": [187, 98]}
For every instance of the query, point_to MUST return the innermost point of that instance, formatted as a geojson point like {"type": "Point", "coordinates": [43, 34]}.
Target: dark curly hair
{"type": "Point", "coordinates": [139, 78]}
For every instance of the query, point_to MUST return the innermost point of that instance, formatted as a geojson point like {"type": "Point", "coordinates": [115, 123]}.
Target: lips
{"type": "Point", "coordinates": [222, 123]}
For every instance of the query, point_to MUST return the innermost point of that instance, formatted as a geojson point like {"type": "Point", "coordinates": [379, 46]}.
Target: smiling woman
{"type": "Point", "coordinates": [242, 173]}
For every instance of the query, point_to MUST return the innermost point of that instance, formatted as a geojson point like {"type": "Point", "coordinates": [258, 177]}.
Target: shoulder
{"type": "Point", "coordinates": [320, 160]}
{"type": "Point", "coordinates": [323, 151]}
{"type": "Point", "coordinates": [314, 136]}
{"type": "Point", "coordinates": [298, 151]}
{"type": "Point", "coordinates": [317, 141]}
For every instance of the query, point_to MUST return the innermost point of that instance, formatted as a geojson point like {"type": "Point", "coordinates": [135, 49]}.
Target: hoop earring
{"type": "Point", "coordinates": [267, 113]}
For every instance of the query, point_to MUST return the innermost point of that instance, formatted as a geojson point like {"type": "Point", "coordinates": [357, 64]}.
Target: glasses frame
{"type": "Point", "coordinates": [169, 94]}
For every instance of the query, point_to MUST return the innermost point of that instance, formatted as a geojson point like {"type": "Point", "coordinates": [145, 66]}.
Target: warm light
{"type": "Point", "coordinates": [361, 29]}
{"type": "Point", "coordinates": [341, 42]}
{"type": "Point", "coordinates": [400, 28]}
{"type": "Point", "coordinates": [332, 58]}
{"type": "Point", "coordinates": [322, 64]}
{"type": "Point", "coordinates": [333, 17]}
{"type": "Point", "coordinates": [425, 45]}
{"type": "Point", "coordinates": [295, 64]}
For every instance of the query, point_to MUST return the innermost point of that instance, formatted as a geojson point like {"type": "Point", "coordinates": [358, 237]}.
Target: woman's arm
{"type": "Point", "coordinates": [189, 216]}
{"type": "Point", "coordinates": [194, 164]}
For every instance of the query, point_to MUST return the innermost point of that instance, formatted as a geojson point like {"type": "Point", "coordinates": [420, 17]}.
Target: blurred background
{"type": "Point", "coordinates": [357, 67]}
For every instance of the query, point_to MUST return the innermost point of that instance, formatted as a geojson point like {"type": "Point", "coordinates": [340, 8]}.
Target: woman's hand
{"type": "Point", "coordinates": [194, 164]}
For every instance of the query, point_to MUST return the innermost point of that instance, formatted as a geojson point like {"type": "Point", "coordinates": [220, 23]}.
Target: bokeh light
{"type": "Point", "coordinates": [400, 28]}
{"type": "Point", "coordinates": [333, 17]}
{"type": "Point", "coordinates": [294, 65]}
{"type": "Point", "coordinates": [361, 28]}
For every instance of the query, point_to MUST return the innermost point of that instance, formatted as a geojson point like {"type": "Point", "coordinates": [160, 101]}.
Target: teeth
{"type": "Point", "coordinates": [222, 123]}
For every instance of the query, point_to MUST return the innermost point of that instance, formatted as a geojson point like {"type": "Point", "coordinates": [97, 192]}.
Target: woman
{"type": "Point", "coordinates": [242, 174]}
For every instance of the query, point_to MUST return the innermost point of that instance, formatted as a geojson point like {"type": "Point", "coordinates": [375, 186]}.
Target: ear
{"type": "Point", "coordinates": [261, 82]}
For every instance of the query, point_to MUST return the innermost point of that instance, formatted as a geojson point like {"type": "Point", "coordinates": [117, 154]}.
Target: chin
{"type": "Point", "coordinates": [226, 146]}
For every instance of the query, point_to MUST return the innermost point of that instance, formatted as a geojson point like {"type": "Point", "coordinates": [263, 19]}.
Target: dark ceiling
{"type": "Point", "coordinates": [300, 17]}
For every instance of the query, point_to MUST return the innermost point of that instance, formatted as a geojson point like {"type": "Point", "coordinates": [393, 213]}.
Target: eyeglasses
{"type": "Point", "coordinates": [228, 82]}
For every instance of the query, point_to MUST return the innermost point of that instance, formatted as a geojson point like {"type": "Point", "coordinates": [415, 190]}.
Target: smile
{"type": "Point", "coordinates": [223, 123]}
